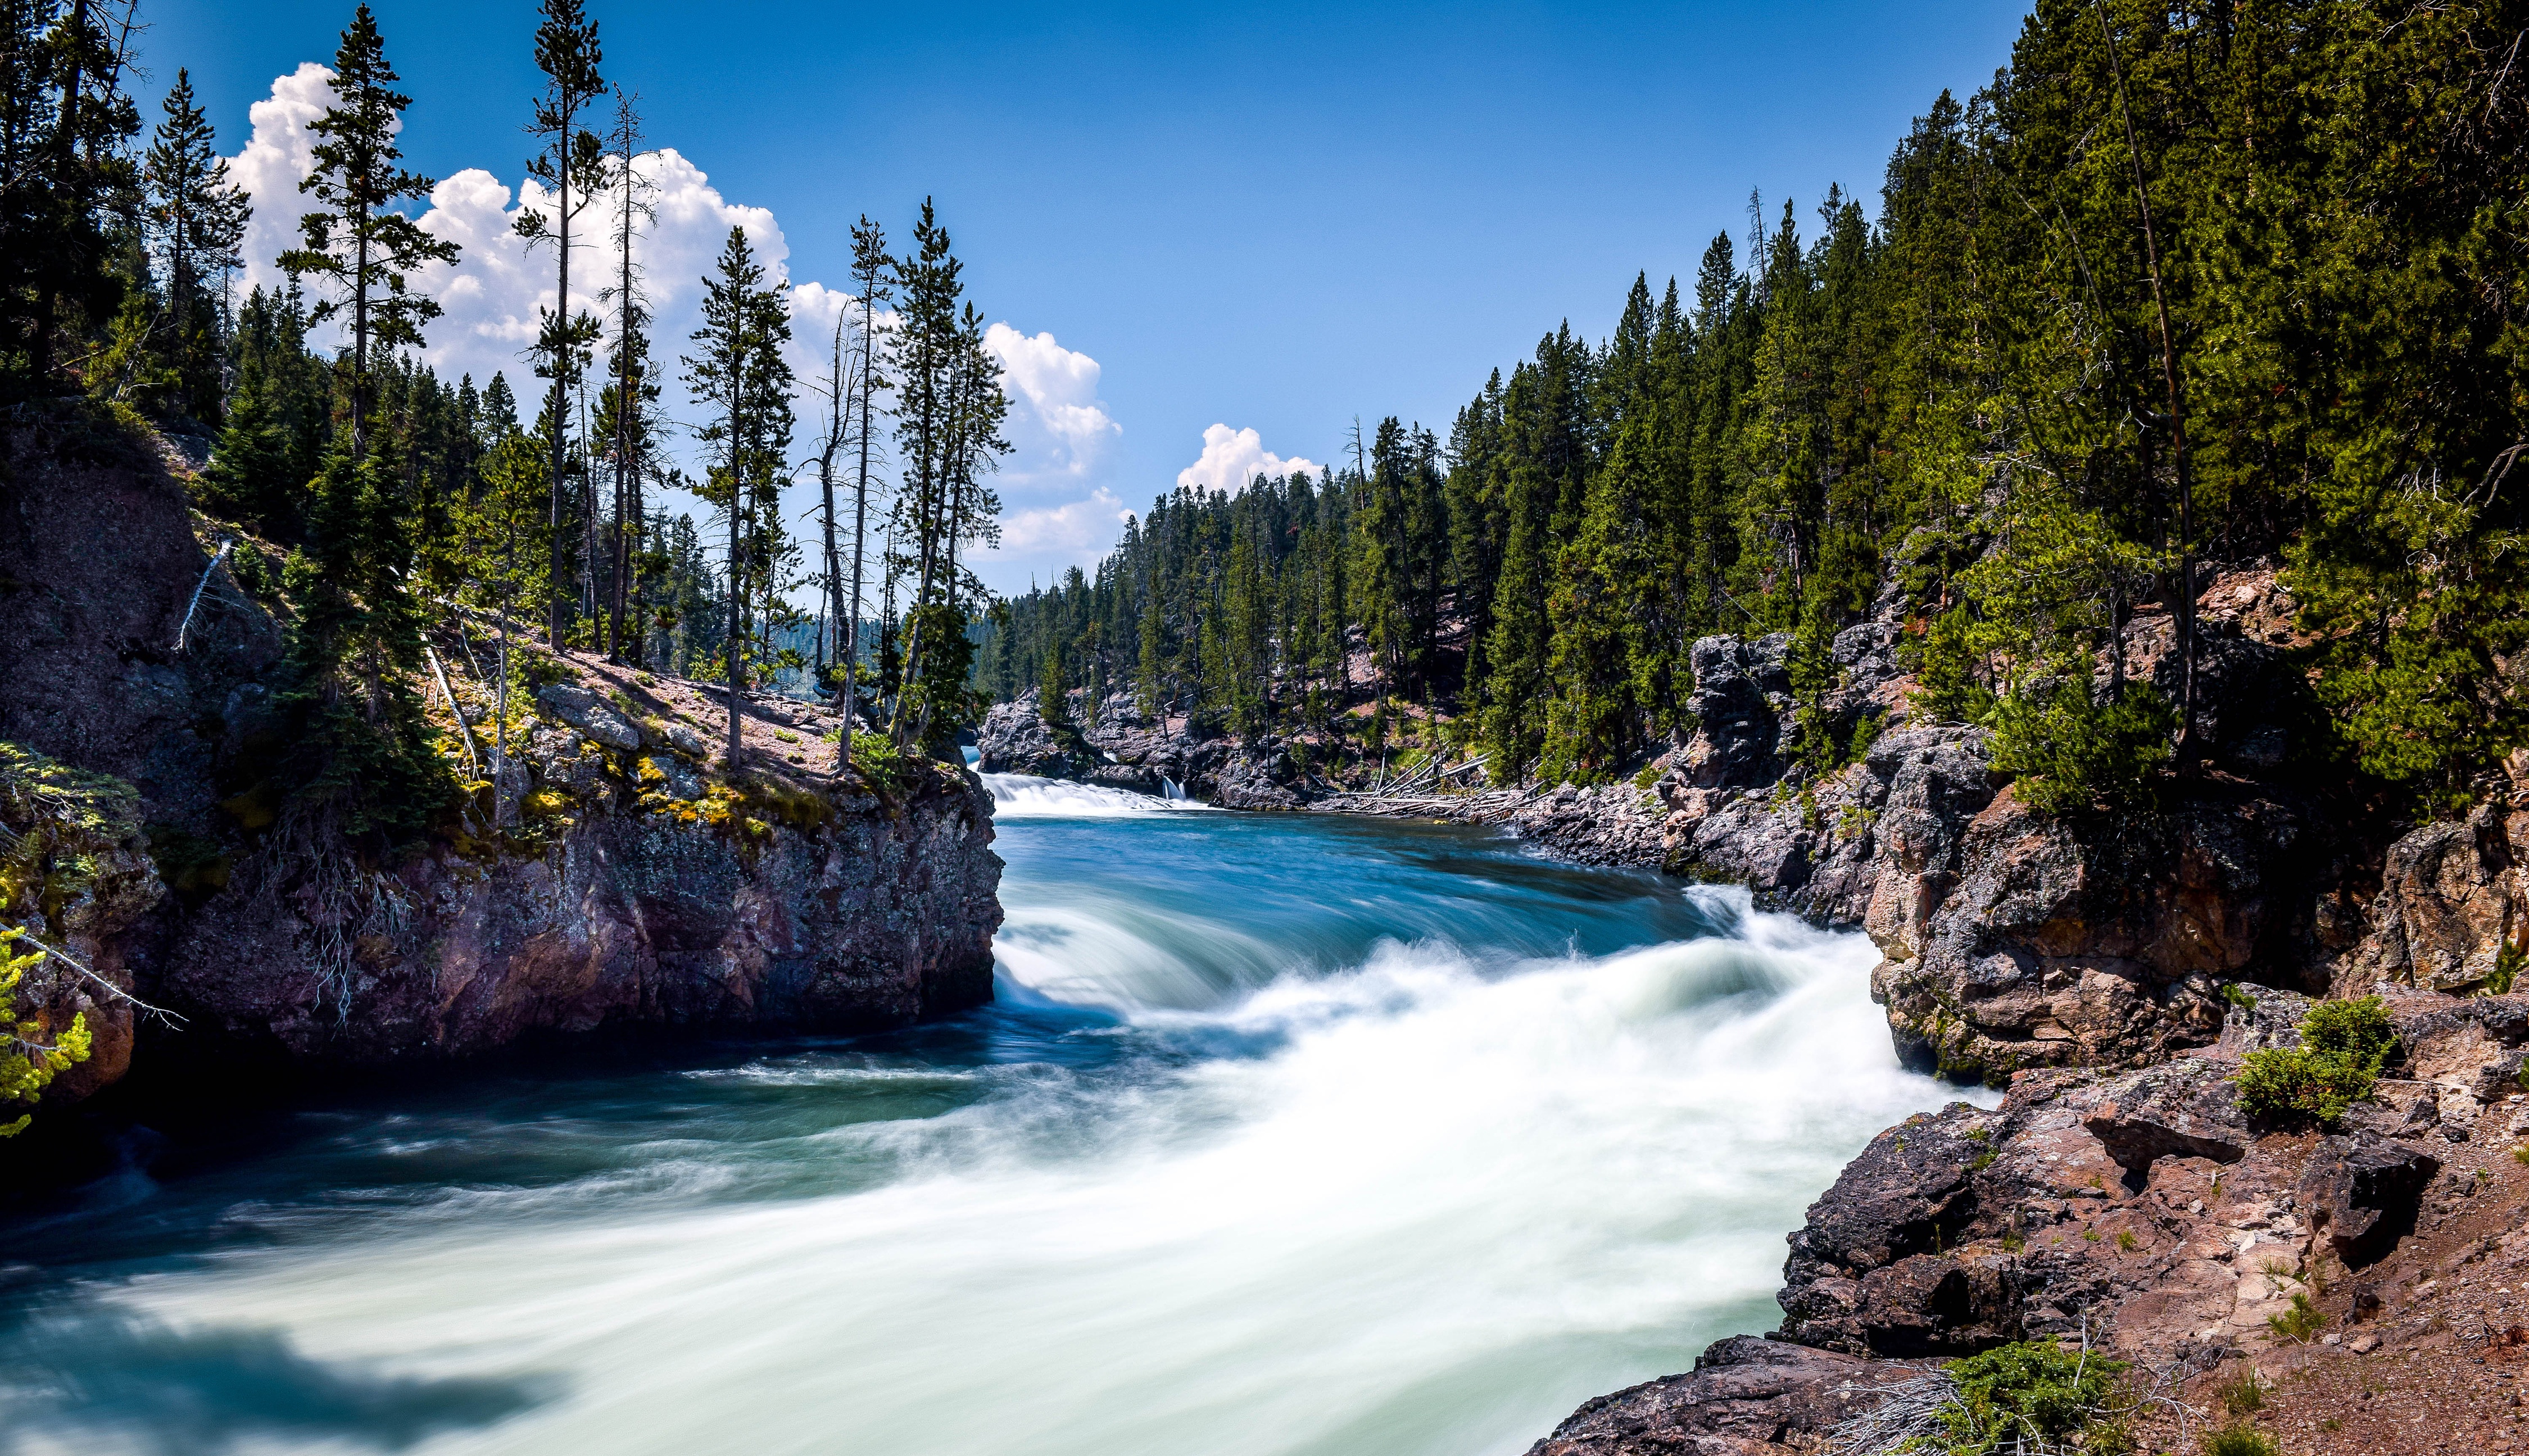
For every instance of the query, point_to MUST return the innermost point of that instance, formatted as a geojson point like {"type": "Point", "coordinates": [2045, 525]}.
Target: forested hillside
{"type": "Point", "coordinates": [2189, 286]}
{"type": "Point", "coordinates": [396, 500]}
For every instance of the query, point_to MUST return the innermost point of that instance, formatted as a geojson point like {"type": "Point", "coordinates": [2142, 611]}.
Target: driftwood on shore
{"type": "Point", "coordinates": [1426, 792]}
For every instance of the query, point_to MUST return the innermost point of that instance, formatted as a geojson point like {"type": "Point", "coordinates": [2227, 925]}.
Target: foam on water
{"type": "Point", "coordinates": [1025, 796]}
{"type": "Point", "coordinates": [1421, 1203]}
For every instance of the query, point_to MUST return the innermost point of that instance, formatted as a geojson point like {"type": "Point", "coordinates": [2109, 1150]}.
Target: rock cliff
{"type": "Point", "coordinates": [2109, 972]}
{"type": "Point", "coordinates": [616, 879]}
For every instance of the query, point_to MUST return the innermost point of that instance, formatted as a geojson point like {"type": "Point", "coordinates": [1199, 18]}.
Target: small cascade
{"type": "Point", "coordinates": [1025, 796]}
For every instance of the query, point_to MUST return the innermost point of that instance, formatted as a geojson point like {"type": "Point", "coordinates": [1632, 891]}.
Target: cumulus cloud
{"type": "Point", "coordinates": [493, 295]}
{"type": "Point", "coordinates": [276, 158]}
{"type": "Point", "coordinates": [1071, 530]}
{"type": "Point", "coordinates": [1232, 458]}
{"type": "Point", "coordinates": [1060, 431]}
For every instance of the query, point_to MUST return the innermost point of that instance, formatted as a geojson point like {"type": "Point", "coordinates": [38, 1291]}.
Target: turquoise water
{"type": "Point", "coordinates": [1286, 1135]}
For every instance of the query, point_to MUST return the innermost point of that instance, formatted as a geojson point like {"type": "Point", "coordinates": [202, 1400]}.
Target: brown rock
{"type": "Point", "coordinates": [1745, 1397]}
{"type": "Point", "coordinates": [2450, 902]}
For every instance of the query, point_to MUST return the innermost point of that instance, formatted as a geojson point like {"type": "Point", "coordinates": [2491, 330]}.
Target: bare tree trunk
{"type": "Point", "coordinates": [736, 547]}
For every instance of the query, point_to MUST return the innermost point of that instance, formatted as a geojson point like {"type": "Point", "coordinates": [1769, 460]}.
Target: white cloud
{"type": "Point", "coordinates": [1060, 432]}
{"type": "Point", "coordinates": [1232, 460]}
{"type": "Point", "coordinates": [276, 158]}
{"type": "Point", "coordinates": [1085, 527]}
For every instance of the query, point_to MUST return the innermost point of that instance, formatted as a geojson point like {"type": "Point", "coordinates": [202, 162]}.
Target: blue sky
{"type": "Point", "coordinates": [1270, 219]}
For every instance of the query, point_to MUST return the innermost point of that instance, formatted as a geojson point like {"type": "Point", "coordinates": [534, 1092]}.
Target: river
{"type": "Point", "coordinates": [1287, 1136]}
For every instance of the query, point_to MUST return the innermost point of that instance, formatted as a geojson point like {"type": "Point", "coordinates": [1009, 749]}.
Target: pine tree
{"type": "Point", "coordinates": [871, 270]}
{"type": "Point", "coordinates": [357, 243]}
{"type": "Point", "coordinates": [66, 180]}
{"type": "Point", "coordinates": [572, 160]}
{"type": "Point", "coordinates": [199, 220]}
{"type": "Point", "coordinates": [741, 375]}
{"type": "Point", "coordinates": [629, 421]}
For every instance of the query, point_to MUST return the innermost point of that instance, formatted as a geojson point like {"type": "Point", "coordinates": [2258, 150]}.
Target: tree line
{"type": "Point", "coordinates": [401, 500]}
{"type": "Point", "coordinates": [2187, 285]}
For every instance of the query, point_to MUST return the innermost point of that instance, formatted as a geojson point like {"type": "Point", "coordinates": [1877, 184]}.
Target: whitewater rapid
{"type": "Point", "coordinates": [1263, 1159]}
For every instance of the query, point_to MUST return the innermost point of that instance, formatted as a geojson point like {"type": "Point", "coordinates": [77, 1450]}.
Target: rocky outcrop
{"type": "Point", "coordinates": [1745, 1396]}
{"type": "Point", "coordinates": [2448, 911]}
{"type": "Point", "coordinates": [76, 877]}
{"type": "Point", "coordinates": [2143, 1212]}
{"type": "Point", "coordinates": [633, 912]}
{"type": "Point", "coordinates": [2097, 943]}
{"type": "Point", "coordinates": [1016, 738]}
{"type": "Point", "coordinates": [617, 879]}
{"type": "Point", "coordinates": [1112, 741]}
{"type": "Point", "coordinates": [2144, 1202]}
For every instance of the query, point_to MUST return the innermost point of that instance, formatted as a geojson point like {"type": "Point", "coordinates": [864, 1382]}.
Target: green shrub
{"type": "Point", "coordinates": [2024, 1396]}
{"type": "Point", "coordinates": [2240, 1439]}
{"type": "Point", "coordinates": [2070, 753]}
{"type": "Point", "coordinates": [27, 1061]}
{"type": "Point", "coordinates": [2508, 964]}
{"type": "Point", "coordinates": [2300, 1323]}
{"type": "Point", "coordinates": [2343, 1045]}
{"type": "Point", "coordinates": [2243, 1393]}
{"type": "Point", "coordinates": [875, 757]}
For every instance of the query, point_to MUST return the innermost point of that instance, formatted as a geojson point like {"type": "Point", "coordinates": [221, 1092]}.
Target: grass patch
{"type": "Point", "coordinates": [2032, 1396]}
{"type": "Point", "coordinates": [2238, 1438]}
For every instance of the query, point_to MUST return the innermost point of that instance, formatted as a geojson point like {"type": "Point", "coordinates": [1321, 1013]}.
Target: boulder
{"type": "Point", "coordinates": [1745, 1397]}
{"type": "Point", "coordinates": [1016, 738]}
{"type": "Point", "coordinates": [1737, 686]}
{"type": "Point", "coordinates": [2186, 1107]}
{"type": "Point", "coordinates": [2097, 941]}
{"type": "Point", "coordinates": [2363, 1191]}
{"type": "Point", "coordinates": [2448, 906]}
{"type": "Point", "coordinates": [592, 716]}
{"type": "Point", "coordinates": [1873, 1272]}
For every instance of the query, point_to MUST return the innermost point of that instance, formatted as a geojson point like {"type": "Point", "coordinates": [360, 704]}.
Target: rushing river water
{"type": "Point", "coordinates": [1288, 1134]}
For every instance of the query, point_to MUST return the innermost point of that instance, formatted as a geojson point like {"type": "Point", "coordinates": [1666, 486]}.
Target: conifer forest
{"type": "Point", "coordinates": [2183, 288]}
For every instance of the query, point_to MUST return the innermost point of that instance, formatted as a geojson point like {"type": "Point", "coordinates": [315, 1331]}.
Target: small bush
{"type": "Point", "coordinates": [2070, 753]}
{"type": "Point", "coordinates": [2300, 1323]}
{"type": "Point", "coordinates": [2240, 1439]}
{"type": "Point", "coordinates": [2025, 1395]}
{"type": "Point", "coordinates": [2242, 1394]}
{"type": "Point", "coordinates": [875, 757]}
{"type": "Point", "coordinates": [2508, 964]}
{"type": "Point", "coordinates": [2126, 1241]}
{"type": "Point", "coordinates": [2343, 1045]}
